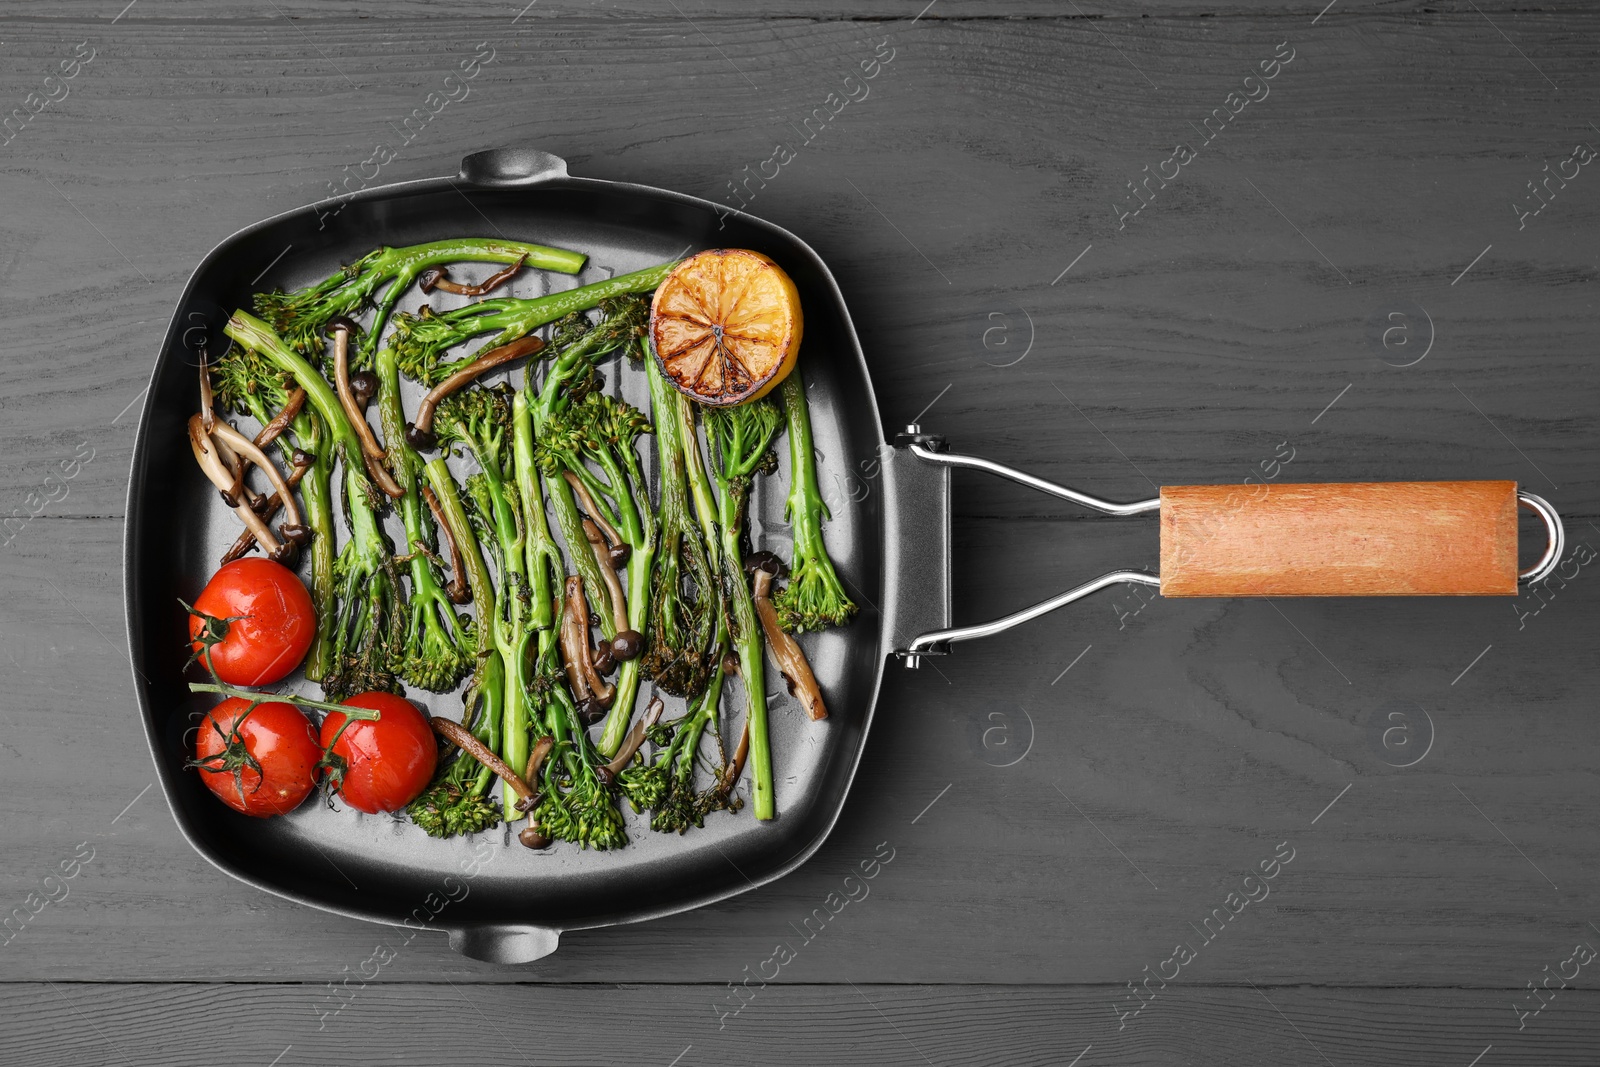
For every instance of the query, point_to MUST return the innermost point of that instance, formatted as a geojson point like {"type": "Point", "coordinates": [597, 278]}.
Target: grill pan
{"type": "Point", "coordinates": [513, 907]}
{"type": "Point", "coordinates": [501, 902]}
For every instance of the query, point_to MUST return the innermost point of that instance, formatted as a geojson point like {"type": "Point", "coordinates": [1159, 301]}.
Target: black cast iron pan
{"type": "Point", "coordinates": [498, 900]}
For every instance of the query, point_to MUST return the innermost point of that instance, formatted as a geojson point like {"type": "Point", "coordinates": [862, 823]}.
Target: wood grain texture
{"type": "Point", "coordinates": [1169, 740]}
{"type": "Point", "coordinates": [1339, 539]}
{"type": "Point", "coordinates": [78, 1025]}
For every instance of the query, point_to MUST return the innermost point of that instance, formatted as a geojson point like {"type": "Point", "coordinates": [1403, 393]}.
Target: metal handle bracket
{"type": "Point", "coordinates": [938, 642]}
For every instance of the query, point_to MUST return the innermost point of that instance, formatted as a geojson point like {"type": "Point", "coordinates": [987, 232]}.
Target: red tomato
{"type": "Point", "coordinates": [388, 761]}
{"type": "Point", "coordinates": [274, 751]}
{"type": "Point", "coordinates": [270, 621]}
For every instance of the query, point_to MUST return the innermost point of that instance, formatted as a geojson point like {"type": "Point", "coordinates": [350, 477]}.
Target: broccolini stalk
{"type": "Point", "coordinates": [439, 644]}
{"type": "Point", "coordinates": [601, 430]}
{"type": "Point", "coordinates": [577, 805]}
{"type": "Point", "coordinates": [421, 339]}
{"type": "Point", "coordinates": [455, 803]}
{"type": "Point", "coordinates": [666, 784]}
{"type": "Point", "coordinates": [368, 627]}
{"type": "Point", "coordinates": [250, 384]}
{"type": "Point", "coordinates": [541, 563]}
{"type": "Point", "coordinates": [576, 347]}
{"type": "Point", "coordinates": [683, 596]}
{"type": "Point", "coordinates": [741, 439]}
{"type": "Point", "coordinates": [299, 316]}
{"type": "Point", "coordinates": [480, 419]}
{"type": "Point", "coordinates": [814, 598]}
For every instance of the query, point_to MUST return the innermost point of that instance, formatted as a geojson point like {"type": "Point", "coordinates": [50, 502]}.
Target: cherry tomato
{"type": "Point", "coordinates": [387, 762]}
{"type": "Point", "coordinates": [268, 617]}
{"type": "Point", "coordinates": [263, 763]}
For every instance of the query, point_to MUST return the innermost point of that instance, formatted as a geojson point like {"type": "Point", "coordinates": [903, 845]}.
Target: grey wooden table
{"type": "Point", "coordinates": [1374, 263]}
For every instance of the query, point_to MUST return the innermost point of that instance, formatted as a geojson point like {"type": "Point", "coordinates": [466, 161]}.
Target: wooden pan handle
{"type": "Point", "coordinates": [1340, 539]}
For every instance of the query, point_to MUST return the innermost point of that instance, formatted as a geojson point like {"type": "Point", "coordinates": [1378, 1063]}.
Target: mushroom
{"type": "Point", "coordinates": [209, 457]}
{"type": "Point", "coordinates": [608, 575]}
{"type": "Point", "coordinates": [791, 660]}
{"type": "Point", "coordinates": [419, 434]}
{"type": "Point", "coordinates": [340, 328]}
{"type": "Point", "coordinates": [457, 588]}
{"type": "Point", "coordinates": [280, 422]}
{"type": "Point", "coordinates": [462, 738]}
{"type": "Point", "coordinates": [531, 836]}
{"type": "Point", "coordinates": [587, 685]}
{"type": "Point", "coordinates": [731, 775]}
{"type": "Point", "coordinates": [437, 278]}
{"type": "Point", "coordinates": [247, 538]}
{"type": "Point", "coordinates": [627, 644]}
{"type": "Point", "coordinates": [618, 551]}
{"type": "Point", "coordinates": [636, 735]}
{"type": "Point", "coordinates": [363, 386]}
{"type": "Point", "coordinates": [237, 488]}
{"type": "Point", "coordinates": [247, 448]}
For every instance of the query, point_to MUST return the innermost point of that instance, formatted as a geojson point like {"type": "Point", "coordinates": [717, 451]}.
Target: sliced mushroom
{"type": "Point", "coordinates": [340, 329]}
{"type": "Point", "coordinates": [420, 433]}
{"type": "Point", "coordinates": [791, 659]}
{"type": "Point", "coordinates": [438, 278]}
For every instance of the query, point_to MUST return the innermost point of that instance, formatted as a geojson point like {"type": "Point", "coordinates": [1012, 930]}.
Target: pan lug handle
{"type": "Point", "coordinates": [505, 944]}
{"type": "Point", "coordinates": [511, 168]}
{"type": "Point", "coordinates": [933, 450]}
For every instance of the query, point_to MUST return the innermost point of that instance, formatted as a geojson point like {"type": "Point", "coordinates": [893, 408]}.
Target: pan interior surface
{"type": "Point", "coordinates": [381, 867]}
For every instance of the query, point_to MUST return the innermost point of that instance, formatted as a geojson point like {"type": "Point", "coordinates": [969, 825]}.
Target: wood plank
{"type": "Point", "coordinates": [96, 14]}
{"type": "Point", "coordinates": [909, 1025]}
